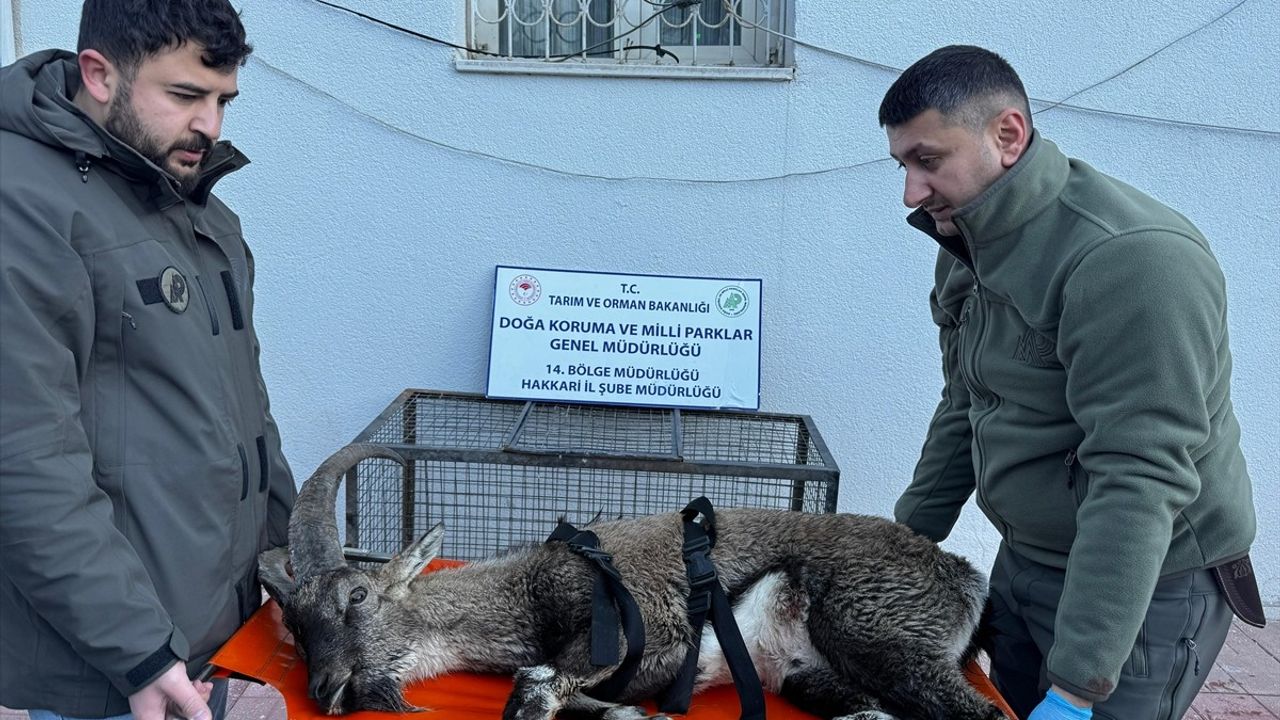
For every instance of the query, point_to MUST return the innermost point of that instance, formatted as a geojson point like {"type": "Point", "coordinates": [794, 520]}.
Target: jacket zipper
{"type": "Point", "coordinates": [969, 369]}
{"type": "Point", "coordinates": [1077, 488]}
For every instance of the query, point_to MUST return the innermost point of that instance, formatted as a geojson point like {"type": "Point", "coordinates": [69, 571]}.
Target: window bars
{"type": "Point", "coordinates": [746, 33]}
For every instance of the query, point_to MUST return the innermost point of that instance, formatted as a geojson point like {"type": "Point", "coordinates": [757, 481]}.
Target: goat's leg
{"type": "Point", "coordinates": [914, 683]}
{"type": "Point", "coordinates": [902, 653]}
{"type": "Point", "coordinates": [937, 688]}
{"type": "Point", "coordinates": [541, 691]}
{"type": "Point", "coordinates": [585, 707]}
{"type": "Point", "coordinates": [817, 689]}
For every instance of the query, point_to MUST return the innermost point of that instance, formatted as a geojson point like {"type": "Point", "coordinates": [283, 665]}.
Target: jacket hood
{"type": "Point", "coordinates": [36, 101]}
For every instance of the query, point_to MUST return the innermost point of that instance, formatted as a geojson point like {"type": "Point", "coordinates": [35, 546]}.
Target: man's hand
{"type": "Point", "coordinates": [1057, 707]}
{"type": "Point", "coordinates": [172, 694]}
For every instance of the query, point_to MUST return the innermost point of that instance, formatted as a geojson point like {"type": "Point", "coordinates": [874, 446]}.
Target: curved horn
{"type": "Point", "coordinates": [313, 526]}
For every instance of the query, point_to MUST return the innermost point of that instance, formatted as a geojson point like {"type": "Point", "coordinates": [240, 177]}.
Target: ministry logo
{"type": "Point", "coordinates": [731, 301]}
{"type": "Point", "coordinates": [524, 290]}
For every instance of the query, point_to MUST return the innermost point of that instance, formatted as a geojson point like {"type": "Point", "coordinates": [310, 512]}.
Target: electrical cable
{"type": "Point", "coordinates": [1051, 103]}
{"type": "Point", "coordinates": [257, 59]}
{"type": "Point", "coordinates": [405, 30]}
{"type": "Point", "coordinates": [661, 51]}
{"type": "Point", "coordinates": [610, 41]}
{"type": "Point", "coordinates": [1159, 50]}
{"type": "Point", "coordinates": [729, 8]}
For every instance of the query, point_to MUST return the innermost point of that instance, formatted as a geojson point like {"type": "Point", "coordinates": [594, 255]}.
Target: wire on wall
{"type": "Point", "coordinates": [257, 58]}
{"type": "Point", "coordinates": [729, 8]}
{"type": "Point", "coordinates": [1052, 104]}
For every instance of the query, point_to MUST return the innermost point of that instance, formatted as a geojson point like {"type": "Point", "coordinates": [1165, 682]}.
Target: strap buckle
{"type": "Point", "coordinates": [702, 572]}
{"type": "Point", "coordinates": [590, 552]}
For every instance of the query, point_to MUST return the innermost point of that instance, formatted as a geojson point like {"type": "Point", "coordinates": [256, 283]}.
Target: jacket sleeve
{"type": "Point", "coordinates": [282, 490]}
{"type": "Point", "coordinates": [943, 478]}
{"type": "Point", "coordinates": [1143, 321]}
{"type": "Point", "coordinates": [58, 545]}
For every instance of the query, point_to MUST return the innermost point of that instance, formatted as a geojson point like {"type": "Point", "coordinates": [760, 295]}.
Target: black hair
{"type": "Point", "coordinates": [128, 31]}
{"type": "Point", "coordinates": [966, 84]}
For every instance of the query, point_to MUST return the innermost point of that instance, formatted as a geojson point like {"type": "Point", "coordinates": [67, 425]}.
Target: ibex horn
{"type": "Point", "coordinates": [313, 527]}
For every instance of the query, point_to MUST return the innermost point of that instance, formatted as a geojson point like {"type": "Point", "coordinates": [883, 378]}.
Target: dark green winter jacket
{"type": "Point", "coordinates": [1087, 398]}
{"type": "Point", "coordinates": [140, 468]}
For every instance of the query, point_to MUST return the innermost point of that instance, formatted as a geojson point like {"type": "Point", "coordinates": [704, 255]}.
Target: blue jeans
{"type": "Point", "coordinates": [217, 703]}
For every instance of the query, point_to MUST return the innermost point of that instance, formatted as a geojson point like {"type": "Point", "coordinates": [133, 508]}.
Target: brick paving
{"type": "Point", "coordinates": [1243, 684]}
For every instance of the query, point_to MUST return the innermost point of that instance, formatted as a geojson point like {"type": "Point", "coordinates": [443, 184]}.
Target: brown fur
{"type": "Point", "coordinates": [888, 613]}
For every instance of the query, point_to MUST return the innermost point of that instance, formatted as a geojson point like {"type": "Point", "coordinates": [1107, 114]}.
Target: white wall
{"type": "Point", "coordinates": [8, 40]}
{"type": "Point", "coordinates": [376, 243]}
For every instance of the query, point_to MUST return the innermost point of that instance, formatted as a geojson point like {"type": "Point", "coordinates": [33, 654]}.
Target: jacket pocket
{"type": "Point", "coordinates": [264, 465]}
{"type": "Point", "coordinates": [1184, 680]}
{"type": "Point", "coordinates": [233, 300]}
{"type": "Point", "coordinates": [1077, 478]}
{"type": "Point", "coordinates": [1137, 665]}
{"type": "Point", "coordinates": [244, 471]}
{"type": "Point", "coordinates": [213, 314]}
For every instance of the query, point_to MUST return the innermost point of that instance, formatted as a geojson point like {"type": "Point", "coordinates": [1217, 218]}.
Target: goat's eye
{"type": "Point", "coordinates": [358, 595]}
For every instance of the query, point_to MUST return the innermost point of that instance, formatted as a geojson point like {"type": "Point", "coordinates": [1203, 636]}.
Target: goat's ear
{"type": "Point", "coordinates": [273, 573]}
{"type": "Point", "coordinates": [410, 562]}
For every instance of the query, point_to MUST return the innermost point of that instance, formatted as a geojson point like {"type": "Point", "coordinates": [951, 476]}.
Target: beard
{"type": "Point", "coordinates": [123, 122]}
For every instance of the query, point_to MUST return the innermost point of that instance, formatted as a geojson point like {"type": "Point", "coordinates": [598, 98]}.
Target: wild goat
{"type": "Point", "coordinates": [844, 615]}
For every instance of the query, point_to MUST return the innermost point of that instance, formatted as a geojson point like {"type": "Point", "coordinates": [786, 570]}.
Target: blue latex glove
{"type": "Point", "coordinates": [1056, 707]}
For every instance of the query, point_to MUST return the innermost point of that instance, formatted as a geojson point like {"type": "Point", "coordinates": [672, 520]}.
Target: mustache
{"type": "Point", "coordinates": [197, 143]}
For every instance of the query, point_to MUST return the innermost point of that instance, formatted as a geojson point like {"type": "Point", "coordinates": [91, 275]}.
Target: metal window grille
{"type": "Point", "coordinates": [711, 32]}
{"type": "Point", "coordinates": [499, 473]}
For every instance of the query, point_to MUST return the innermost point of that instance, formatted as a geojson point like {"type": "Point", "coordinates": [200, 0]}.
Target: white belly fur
{"type": "Point", "coordinates": [772, 618]}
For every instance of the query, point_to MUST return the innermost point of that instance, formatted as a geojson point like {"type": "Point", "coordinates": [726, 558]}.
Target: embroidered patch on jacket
{"type": "Point", "coordinates": [174, 290]}
{"type": "Point", "coordinates": [169, 287]}
{"type": "Point", "coordinates": [1035, 349]}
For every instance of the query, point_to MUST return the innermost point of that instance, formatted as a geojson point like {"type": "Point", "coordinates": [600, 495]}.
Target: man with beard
{"type": "Point", "coordinates": [140, 469]}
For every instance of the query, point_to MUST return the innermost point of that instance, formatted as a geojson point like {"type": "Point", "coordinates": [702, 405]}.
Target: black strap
{"type": "Point", "coordinates": [707, 596]}
{"type": "Point", "coordinates": [608, 596]}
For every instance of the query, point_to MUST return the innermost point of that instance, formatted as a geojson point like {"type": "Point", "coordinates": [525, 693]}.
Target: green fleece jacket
{"type": "Point", "coordinates": [1087, 398]}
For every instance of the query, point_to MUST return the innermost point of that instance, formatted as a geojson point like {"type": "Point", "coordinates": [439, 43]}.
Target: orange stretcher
{"type": "Point", "coordinates": [262, 650]}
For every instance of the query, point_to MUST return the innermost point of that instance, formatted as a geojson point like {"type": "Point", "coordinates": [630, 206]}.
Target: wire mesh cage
{"type": "Point", "coordinates": [499, 473]}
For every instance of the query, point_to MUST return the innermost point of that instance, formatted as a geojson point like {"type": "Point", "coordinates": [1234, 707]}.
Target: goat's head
{"type": "Point", "coordinates": [350, 626]}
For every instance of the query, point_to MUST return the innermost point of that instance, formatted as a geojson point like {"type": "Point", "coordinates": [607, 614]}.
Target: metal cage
{"type": "Point", "coordinates": [499, 473]}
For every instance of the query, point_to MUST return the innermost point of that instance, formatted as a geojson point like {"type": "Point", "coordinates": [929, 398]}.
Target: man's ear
{"type": "Point", "coordinates": [1012, 135]}
{"type": "Point", "coordinates": [99, 76]}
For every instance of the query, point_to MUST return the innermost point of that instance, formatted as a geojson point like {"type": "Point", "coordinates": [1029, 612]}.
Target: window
{"type": "Point", "coordinates": [602, 33]}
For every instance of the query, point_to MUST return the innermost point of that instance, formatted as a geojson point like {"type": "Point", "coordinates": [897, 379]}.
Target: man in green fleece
{"type": "Point", "coordinates": [1083, 329]}
{"type": "Point", "coordinates": [140, 469]}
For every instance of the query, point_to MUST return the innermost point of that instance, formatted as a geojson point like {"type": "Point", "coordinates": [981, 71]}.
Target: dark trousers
{"type": "Point", "coordinates": [1184, 629]}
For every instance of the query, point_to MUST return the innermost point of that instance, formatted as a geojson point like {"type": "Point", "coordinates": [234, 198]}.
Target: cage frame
{"type": "Point", "coordinates": [511, 452]}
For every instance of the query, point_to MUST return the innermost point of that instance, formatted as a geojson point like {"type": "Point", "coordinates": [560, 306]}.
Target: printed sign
{"type": "Point", "coordinates": [625, 339]}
